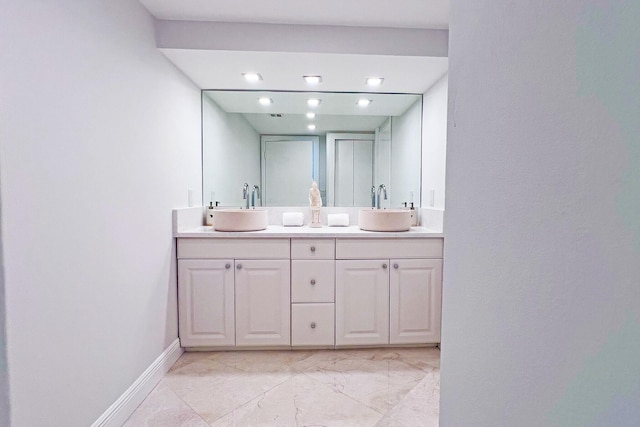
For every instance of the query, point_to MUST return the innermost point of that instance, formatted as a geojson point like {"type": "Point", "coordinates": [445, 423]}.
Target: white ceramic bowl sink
{"type": "Point", "coordinates": [240, 219]}
{"type": "Point", "coordinates": [384, 219]}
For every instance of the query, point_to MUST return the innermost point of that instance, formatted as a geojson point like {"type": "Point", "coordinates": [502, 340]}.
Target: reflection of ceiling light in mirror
{"type": "Point", "coordinates": [313, 102]}
{"type": "Point", "coordinates": [252, 77]}
{"type": "Point", "coordinates": [311, 127]}
{"type": "Point", "coordinates": [313, 80]}
{"type": "Point", "coordinates": [374, 81]}
{"type": "Point", "coordinates": [265, 101]}
{"type": "Point", "coordinates": [311, 115]}
{"type": "Point", "coordinates": [364, 102]}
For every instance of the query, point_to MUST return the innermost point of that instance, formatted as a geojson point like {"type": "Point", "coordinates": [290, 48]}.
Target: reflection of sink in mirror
{"type": "Point", "coordinates": [240, 219]}
{"type": "Point", "coordinates": [350, 150]}
{"type": "Point", "coordinates": [384, 219]}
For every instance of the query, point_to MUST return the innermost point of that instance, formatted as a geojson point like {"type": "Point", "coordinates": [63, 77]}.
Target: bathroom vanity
{"type": "Point", "coordinates": [308, 288]}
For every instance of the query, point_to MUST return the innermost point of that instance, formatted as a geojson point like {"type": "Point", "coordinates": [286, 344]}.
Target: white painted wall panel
{"type": "Point", "coordinates": [229, 139]}
{"type": "Point", "coordinates": [100, 140]}
{"type": "Point", "coordinates": [541, 320]}
{"type": "Point", "coordinates": [434, 143]}
{"type": "Point", "coordinates": [405, 159]}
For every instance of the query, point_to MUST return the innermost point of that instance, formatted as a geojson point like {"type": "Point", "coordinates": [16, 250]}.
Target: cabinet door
{"type": "Point", "coordinates": [415, 290]}
{"type": "Point", "coordinates": [262, 302]}
{"type": "Point", "coordinates": [205, 303]}
{"type": "Point", "coordinates": [362, 302]}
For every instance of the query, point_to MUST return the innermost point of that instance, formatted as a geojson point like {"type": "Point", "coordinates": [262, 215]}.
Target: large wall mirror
{"type": "Point", "coordinates": [281, 142]}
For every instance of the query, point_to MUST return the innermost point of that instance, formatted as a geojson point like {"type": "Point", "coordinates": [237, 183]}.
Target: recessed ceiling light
{"type": "Point", "coordinates": [311, 115]}
{"type": "Point", "coordinates": [313, 102]}
{"type": "Point", "coordinates": [252, 77]}
{"type": "Point", "coordinates": [374, 81]}
{"type": "Point", "coordinates": [265, 101]}
{"type": "Point", "coordinates": [364, 102]}
{"type": "Point", "coordinates": [313, 80]}
{"type": "Point", "coordinates": [311, 127]}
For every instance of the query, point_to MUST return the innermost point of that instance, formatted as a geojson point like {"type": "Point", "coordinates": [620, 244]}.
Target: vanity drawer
{"type": "Point", "coordinates": [312, 325]}
{"type": "Point", "coordinates": [313, 248]}
{"type": "Point", "coordinates": [312, 280]}
{"type": "Point", "coordinates": [389, 248]}
{"type": "Point", "coordinates": [233, 248]}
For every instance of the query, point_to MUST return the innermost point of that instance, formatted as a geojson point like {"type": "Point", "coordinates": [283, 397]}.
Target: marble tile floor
{"type": "Point", "coordinates": [368, 387]}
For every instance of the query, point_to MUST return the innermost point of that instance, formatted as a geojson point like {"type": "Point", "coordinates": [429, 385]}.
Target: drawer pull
{"type": "Point", "coordinates": [313, 282]}
{"type": "Point", "coordinates": [227, 266]}
{"type": "Point", "coordinates": [395, 266]}
{"type": "Point", "coordinates": [384, 266]}
{"type": "Point", "coordinates": [313, 325]}
{"type": "Point", "coordinates": [313, 248]}
{"type": "Point", "coordinates": [239, 266]}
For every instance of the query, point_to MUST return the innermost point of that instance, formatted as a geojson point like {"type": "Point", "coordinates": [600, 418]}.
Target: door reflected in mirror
{"type": "Point", "coordinates": [349, 149]}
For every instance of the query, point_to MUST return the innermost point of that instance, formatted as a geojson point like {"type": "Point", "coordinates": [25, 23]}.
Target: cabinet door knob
{"type": "Point", "coordinates": [395, 266]}
{"type": "Point", "coordinates": [227, 266]}
{"type": "Point", "coordinates": [313, 325]}
{"type": "Point", "coordinates": [384, 266]}
{"type": "Point", "coordinates": [313, 281]}
{"type": "Point", "coordinates": [239, 266]}
{"type": "Point", "coordinates": [313, 248]}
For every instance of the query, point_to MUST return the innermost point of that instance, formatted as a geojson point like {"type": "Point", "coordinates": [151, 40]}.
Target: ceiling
{"type": "Point", "coordinates": [331, 103]}
{"type": "Point", "coordinates": [221, 69]}
{"type": "Point", "coordinates": [336, 112]}
{"type": "Point", "coordinates": [433, 14]}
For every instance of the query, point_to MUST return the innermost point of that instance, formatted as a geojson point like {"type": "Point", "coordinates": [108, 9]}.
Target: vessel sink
{"type": "Point", "coordinates": [384, 219]}
{"type": "Point", "coordinates": [240, 219]}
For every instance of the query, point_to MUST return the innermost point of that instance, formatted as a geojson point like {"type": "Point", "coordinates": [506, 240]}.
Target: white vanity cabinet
{"type": "Point", "coordinates": [312, 292]}
{"type": "Point", "coordinates": [388, 291]}
{"type": "Point", "coordinates": [234, 292]}
{"type": "Point", "coordinates": [206, 302]}
{"type": "Point", "coordinates": [362, 302]}
{"type": "Point", "coordinates": [415, 295]}
{"type": "Point", "coordinates": [262, 302]}
{"type": "Point", "coordinates": [302, 292]}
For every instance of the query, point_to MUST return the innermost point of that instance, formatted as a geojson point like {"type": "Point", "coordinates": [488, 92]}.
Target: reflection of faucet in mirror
{"type": "Point", "coordinates": [384, 191]}
{"type": "Point", "coordinates": [373, 196]}
{"type": "Point", "coordinates": [245, 194]}
{"type": "Point", "coordinates": [255, 194]}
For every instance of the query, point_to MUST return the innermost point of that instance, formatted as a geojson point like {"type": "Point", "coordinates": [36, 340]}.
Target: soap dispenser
{"type": "Point", "coordinates": [209, 215]}
{"type": "Point", "coordinates": [414, 216]}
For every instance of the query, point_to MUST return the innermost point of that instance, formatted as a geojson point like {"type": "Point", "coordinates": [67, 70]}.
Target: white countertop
{"type": "Point", "coordinates": [274, 231]}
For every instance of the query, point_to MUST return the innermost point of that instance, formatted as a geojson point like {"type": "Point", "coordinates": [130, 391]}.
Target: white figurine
{"type": "Point", "coordinates": [315, 201]}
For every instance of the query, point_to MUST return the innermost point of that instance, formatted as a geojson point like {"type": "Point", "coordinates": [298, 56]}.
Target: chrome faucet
{"type": "Point", "coordinates": [255, 194]}
{"type": "Point", "coordinates": [384, 190]}
{"type": "Point", "coordinates": [245, 194]}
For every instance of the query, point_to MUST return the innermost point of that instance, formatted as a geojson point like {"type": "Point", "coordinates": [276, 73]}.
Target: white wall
{"type": "Point", "coordinates": [322, 166]}
{"type": "Point", "coordinates": [434, 143]}
{"type": "Point", "coordinates": [4, 368]}
{"type": "Point", "coordinates": [231, 153]}
{"type": "Point", "coordinates": [405, 158]}
{"type": "Point", "coordinates": [263, 37]}
{"type": "Point", "coordinates": [99, 141]}
{"type": "Point", "coordinates": [382, 158]}
{"type": "Point", "coordinates": [541, 307]}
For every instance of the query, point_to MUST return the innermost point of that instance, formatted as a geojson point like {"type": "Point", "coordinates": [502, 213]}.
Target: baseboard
{"type": "Point", "coordinates": [126, 404]}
